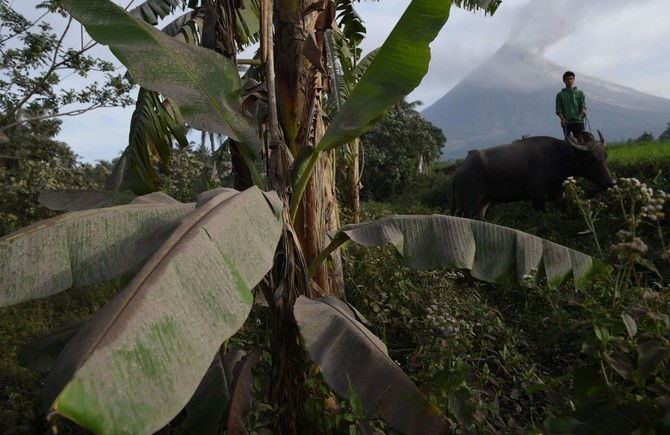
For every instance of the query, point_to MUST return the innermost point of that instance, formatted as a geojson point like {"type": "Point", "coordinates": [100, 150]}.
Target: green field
{"type": "Point", "coordinates": [638, 152]}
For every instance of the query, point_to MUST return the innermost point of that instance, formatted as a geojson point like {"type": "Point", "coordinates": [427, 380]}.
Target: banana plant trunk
{"type": "Point", "coordinates": [300, 115]}
{"type": "Point", "coordinates": [296, 122]}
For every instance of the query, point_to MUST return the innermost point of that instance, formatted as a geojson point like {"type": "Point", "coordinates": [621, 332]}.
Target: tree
{"type": "Point", "coordinates": [32, 161]}
{"type": "Point", "coordinates": [396, 149]}
{"type": "Point", "coordinates": [35, 61]}
{"type": "Point", "coordinates": [666, 134]}
{"type": "Point", "coordinates": [191, 172]}
{"type": "Point", "coordinates": [646, 136]}
{"type": "Point", "coordinates": [136, 364]}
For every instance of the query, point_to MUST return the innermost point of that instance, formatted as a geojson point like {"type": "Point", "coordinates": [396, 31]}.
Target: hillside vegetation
{"type": "Point", "coordinates": [519, 360]}
{"type": "Point", "coordinates": [499, 359]}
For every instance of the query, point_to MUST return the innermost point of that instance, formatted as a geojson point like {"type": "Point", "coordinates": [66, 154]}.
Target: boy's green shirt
{"type": "Point", "coordinates": [570, 102]}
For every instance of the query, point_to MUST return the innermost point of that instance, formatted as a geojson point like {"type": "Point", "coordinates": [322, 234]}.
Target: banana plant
{"type": "Point", "coordinates": [140, 360]}
{"type": "Point", "coordinates": [189, 269]}
{"type": "Point", "coordinates": [157, 122]}
{"type": "Point", "coordinates": [152, 11]}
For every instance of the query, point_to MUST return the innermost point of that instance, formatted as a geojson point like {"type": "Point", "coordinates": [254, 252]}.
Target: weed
{"type": "Point", "coordinates": [627, 343]}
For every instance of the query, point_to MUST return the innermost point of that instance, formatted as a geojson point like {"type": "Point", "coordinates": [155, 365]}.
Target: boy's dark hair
{"type": "Point", "coordinates": [568, 74]}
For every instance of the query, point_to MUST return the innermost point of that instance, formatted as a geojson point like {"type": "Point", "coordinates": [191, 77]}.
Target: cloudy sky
{"type": "Point", "coordinates": [615, 40]}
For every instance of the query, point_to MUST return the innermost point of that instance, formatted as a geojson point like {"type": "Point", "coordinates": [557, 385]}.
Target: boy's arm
{"type": "Point", "coordinates": [559, 109]}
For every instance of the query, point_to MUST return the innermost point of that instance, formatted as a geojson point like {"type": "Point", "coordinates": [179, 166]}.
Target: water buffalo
{"type": "Point", "coordinates": [533, 168]}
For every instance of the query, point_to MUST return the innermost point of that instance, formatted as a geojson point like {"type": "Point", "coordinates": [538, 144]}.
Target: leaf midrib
{"type": "Point", "coordinates": [139, 286]}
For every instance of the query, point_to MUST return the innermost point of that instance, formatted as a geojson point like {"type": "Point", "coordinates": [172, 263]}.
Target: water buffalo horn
{"type": "Point", "coordinates": [572, 141]}
{"type": "Point", "coordinates": [602, 139]}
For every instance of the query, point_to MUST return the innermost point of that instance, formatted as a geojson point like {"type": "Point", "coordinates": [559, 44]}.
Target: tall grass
{"type": "Point", "coordinates": [638, 152]}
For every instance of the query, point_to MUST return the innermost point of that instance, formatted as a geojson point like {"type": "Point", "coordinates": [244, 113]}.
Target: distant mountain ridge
{"type": "Point", "coordinates": [514, 93]}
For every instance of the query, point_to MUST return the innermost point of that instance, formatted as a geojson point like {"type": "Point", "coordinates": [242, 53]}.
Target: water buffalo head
{"type": "Point", "coordinates": [589, 160]}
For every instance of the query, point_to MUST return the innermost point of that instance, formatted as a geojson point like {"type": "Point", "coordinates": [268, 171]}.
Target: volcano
{"type": "Point", "coordinates": [513, 94]}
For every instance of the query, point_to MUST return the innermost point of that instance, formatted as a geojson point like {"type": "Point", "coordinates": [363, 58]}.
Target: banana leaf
{"type": "Point", "coordinates": [490, 252]}
{"type": "Point", "coordinates": [205, 85]}
{"type": "Point", "coordinates": [140, 359]}
{"type": "Point", "coordinates": [346, 351]}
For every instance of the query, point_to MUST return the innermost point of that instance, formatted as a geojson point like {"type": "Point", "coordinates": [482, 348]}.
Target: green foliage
{"type": "Point", "coordinates": [32, 161]}
{"type": "Point", "coordinates": [452, 341]}
{"type": "Point", "coordinates": [532, 360]}
{"type": "Point", "coordinates": [207, 228]}
{"type": "Point", "coordinates": [21, 409]}
{"type": "Point", "coordinates": [152, 11]}
{"type": "Point", "coordinates": [179, 179]}
{"type": "Point", "coordinates": [501, 359]}
{"type": "Point", "coordinates": [646, 136]}
{"type": "Point", "coordinates": [328, 414]}
{"type": "Point", "coordinates": [632, 155]}
{"type": "Point", "coordinates": [34, 61]}
{"type": "Point", "coordinates": [395, 71]}
{"type": "Point", "coordinates": [156, 125]}
{"type": "Point", "coordinates": [397, 150]}
{"type": "Point", "coordinates": [666, 134]}
{"type": "Point", "coordinates": [191, 172]}
{"type": "Point", "coordinates": [432, 189]}
{"type": "Point", "coordinates": [171, 371]}
{"type": "Point", "coordinates": [622, 323]}
{"type": "Point", "coordinates": [352, 27]}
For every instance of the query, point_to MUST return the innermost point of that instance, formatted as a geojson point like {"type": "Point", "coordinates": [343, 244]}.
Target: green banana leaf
{"type": "Point", "coordinates": [80, 199]}
{"type": "Point", "coordinates": [153, 11]}
{"type": "Point", "coordinates": [346, 351]}
{"type": "Point", "coordinates": [396, 70]}
{"type": "Point", "coordinates": [186, 27]}
{"type": "Point", "coordinates": [205, 85]}
{"type": "Point", "coordinates": [79, 248]}
{"type": "Point", "coordinates": [205, 409]}
{"type": "Point", "coordinates": [248, 23]}
{"type": "Point", "coordinates": [490, 252]}
{"type": "Point", "coordinates": [155, 124]}
{"type": "Point", "coordinates": [488, 6]}
{"type": "Point", "coordinates": [140, 359]}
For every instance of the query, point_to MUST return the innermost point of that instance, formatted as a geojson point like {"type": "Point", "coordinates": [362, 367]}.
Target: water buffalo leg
{"type": "Point", "coordinates": [482, 207]}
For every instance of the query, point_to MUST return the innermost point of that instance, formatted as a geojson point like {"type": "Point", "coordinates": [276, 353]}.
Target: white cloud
{"type": "Point", "coordinates": [625, 45]}
{"type": "Point", "coordinates": [614, 40]}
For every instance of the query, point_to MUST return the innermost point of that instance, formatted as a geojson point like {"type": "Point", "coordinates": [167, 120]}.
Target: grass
{"type": "Point", "coordinates": [636, 153]}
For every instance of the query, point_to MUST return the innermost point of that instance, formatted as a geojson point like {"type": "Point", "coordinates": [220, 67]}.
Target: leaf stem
{"type": "Point", "coordinates": [301, 184]}
{"type": "Point", "coordinates": [338, 241]}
